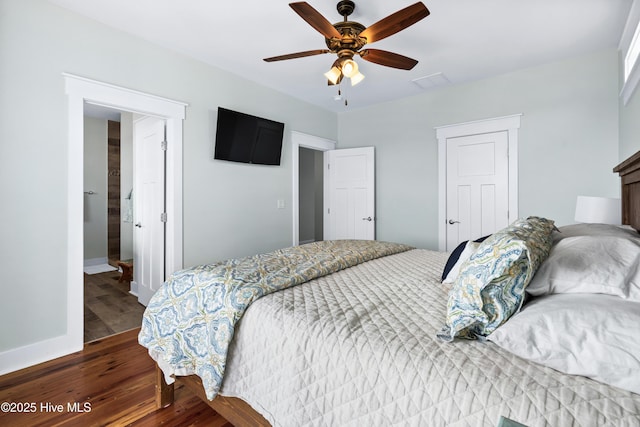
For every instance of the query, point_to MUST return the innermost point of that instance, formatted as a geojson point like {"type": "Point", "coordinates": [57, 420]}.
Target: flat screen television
{"type": "Point", "coordinates": [245, 138]}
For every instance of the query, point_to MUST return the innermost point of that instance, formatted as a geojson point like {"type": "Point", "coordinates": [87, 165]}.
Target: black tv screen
{"type": "Point", "coordinates": [245, 138]}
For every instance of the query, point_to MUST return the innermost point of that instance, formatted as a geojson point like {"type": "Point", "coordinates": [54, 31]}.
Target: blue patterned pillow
{"type": "Point", "coordinates": [491, 283]}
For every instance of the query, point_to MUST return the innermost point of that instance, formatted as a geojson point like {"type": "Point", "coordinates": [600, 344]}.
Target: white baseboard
{"type": "Point", "coordinates": [95, 261]}
{"type": "Point", "coordinates": [133, 288]}
{"type": "Point", "coordinates": [33, 354]}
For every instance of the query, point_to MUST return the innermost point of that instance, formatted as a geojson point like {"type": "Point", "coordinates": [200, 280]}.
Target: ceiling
{"type": "Point", "coordinates": [461, 41]}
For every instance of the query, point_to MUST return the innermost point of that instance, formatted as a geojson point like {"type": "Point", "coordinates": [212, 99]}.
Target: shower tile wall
{"type": "Point", "coordinates": [113, 185]}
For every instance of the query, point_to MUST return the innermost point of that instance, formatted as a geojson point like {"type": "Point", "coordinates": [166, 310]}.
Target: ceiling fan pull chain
{"type": "Point", "coordinates": [340, 93]}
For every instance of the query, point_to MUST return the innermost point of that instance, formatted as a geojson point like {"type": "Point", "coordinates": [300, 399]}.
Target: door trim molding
{"type": "Point", "coordinates": [510, 124]}
{"type": "Point", "coordinates": [299, 139]}
{"type": "Point", "coordinates": [80, 90]}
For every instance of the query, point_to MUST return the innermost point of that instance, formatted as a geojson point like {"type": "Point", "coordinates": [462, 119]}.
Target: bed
{"type": "Point", "coordinates": [371, 339]}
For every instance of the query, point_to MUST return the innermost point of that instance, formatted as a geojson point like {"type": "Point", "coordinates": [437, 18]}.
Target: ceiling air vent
{"type": "Point", "coordinates": [432, 81]}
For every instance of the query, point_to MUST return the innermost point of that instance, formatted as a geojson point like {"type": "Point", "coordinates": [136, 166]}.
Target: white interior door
{"type": "Point", "coordinates": [477, 186]}
{"type": "Point", "coordinates": [351, 194]}
{"type": "Point", "coordinates": [149, 201]}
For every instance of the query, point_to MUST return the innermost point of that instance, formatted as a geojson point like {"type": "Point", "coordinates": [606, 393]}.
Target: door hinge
{"type": "Point", "coordinates": [328, 166]}
{"type": "Point", "coordinates": [329, 211]}
{"type": "Point", "coordinates": [163, 217]}
{"type": "Point", "coordinates": [163, 145]}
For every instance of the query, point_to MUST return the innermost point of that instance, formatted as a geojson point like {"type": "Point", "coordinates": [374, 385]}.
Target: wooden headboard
{"type": "Point", "coordinates": [629, 171]}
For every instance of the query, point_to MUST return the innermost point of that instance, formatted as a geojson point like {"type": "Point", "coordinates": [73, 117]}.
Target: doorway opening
{"type": "Point", "coordinates": [81, 91]}
{"type": "Point", "coordinates": [110, 301]}
{"type": "Point", "coordinates": [313, 144]}
{"type": "Point", "coordinates": [311, 179]}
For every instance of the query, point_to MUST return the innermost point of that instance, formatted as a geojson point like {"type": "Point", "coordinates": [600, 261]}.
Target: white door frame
{"type": "Point", "coordinates": [299, 139]}
{"type": "Point", "coordinates": [511, 124]}
{"type": "Point", "coordinates": [80, 90]}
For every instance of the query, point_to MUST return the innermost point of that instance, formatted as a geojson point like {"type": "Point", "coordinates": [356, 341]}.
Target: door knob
{"type": "Point", "coordinates": [139, 225]}
{"type": "Point", "coordinates": [367, 219]}
{"type": "Point", "coordinates": [451, 222]}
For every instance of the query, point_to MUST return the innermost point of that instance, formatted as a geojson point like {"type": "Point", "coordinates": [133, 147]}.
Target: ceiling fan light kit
{"type": "Point", "coordinates": [344, 68]}
{"type": "Point", "coordinates": [347, 38]}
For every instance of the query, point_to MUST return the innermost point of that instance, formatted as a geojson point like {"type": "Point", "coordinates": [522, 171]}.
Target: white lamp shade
{"type": "Point", "coordinates": [357, 78]}
{"type": "Point", "coordinates": [333, 74]}
{"type": "Point", "coordinates": [349, 68]}
{"type": "Point", "coordinates": [598, 210]}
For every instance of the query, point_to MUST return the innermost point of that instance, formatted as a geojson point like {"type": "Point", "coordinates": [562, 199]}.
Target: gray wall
{"type": "Point", "coordinates": [95, 179]}
{"type": "Point", "coordinates": [307, 195]}
{"type": "Point", "coordinates": [568, 141]}
{"type": "Point", "coordinates": [318, 169]}
{"type": "Point", "coordinates": [229, 209]}
{"type": "Point", "coordinates": [310, 201]}
{"type": "Point", "coordinates": [126, 183]}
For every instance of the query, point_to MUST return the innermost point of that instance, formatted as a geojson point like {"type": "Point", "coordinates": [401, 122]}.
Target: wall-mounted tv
{"type": "Point", "coordinates": [245, 138]}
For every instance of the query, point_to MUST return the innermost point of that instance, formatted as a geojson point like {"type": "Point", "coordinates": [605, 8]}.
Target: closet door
{"type": "Point", "coordinates": [477, 178]}
{"type": "Point", "coordinates": [477, 186]}
{"type": "Point", "coordinates": [351, 194]}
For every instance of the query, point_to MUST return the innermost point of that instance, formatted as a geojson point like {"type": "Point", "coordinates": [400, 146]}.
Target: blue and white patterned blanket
{"type": "Point", "coordinates": [189, 323]}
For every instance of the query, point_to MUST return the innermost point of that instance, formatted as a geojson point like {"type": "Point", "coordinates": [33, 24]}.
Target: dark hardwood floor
{"type": "Point", "coordinates": [109, 308]}
{"type": "Point", "coordinates": [109, 383]}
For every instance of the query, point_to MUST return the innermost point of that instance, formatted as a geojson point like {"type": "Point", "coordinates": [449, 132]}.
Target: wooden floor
{"type": "Point", "coordinates": [109, 308]}
{"type": "Point", "coordinates": [109, 383]}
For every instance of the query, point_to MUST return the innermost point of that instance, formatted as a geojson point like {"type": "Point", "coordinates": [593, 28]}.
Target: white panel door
{"type": "Point", "coordinates": [477, 186]}
{"type": "Point", "coordinates": [149, 202]}
{"type": "Point", "coordinates": [351, 199]}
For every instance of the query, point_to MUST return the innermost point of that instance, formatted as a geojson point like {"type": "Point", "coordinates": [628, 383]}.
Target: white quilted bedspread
{"type": "Point", "coordinates": [358, 348]}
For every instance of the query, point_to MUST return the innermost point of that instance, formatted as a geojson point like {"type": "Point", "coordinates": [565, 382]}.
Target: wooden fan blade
{"type": "Point", "coordinates": [395, 22]}
{"type": "Point", "coordinates": [388, 59]}
{"type": "Point", "coordinates": [315, 19]}
{"type": "Point", "coordinates": [297, 55]}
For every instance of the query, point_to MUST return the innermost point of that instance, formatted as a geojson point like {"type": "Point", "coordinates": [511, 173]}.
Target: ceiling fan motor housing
{"type": "Point", "coordinates": [345, 7]}
{"type": "Point", "coordinates": [350, 37]}
{"type": "Point", "coordinates": [350, 31]}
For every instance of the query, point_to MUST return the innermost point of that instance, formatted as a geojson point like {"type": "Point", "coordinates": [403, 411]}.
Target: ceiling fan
{"type": "Point", "coordinates": [347, 38]}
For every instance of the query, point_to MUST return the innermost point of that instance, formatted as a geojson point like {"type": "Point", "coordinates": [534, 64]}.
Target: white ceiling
{"type": "Point", "coordinates": [464, 40]}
